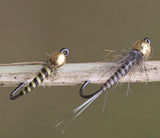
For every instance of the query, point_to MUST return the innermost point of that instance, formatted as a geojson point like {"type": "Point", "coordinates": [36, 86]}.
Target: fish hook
{"type": "Point", "coordinates": [14, 94]}
{"type": "Point", "coordinates": [17, 92]}
{"type": "Point", "coordinates": [89, 95]}
{"type": "Point", "coordinates": [65, 51]}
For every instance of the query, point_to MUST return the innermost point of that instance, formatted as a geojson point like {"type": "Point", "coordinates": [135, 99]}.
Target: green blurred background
{"type": "Point", "coordinates": [29, 29]}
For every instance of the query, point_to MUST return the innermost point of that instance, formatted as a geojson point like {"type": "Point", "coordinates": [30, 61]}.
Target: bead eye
{"type": "Point", "coordinates": [147, 40]}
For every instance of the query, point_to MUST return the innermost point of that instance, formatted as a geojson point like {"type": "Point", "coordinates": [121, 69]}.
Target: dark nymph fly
{"type": "Point", "coordinates": [127, 62]}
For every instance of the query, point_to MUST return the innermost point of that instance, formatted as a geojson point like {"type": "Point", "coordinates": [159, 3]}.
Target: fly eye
{"type": "Point", "coordinates": [147, 40]}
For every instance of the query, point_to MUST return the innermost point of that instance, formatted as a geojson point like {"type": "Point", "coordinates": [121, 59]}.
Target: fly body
{"type": "Point", "coordinates": [129, 60]}
{"type": "Point", "coordinates": [126, 63]}
{"type": "Point", "coordinates": [56, 60]}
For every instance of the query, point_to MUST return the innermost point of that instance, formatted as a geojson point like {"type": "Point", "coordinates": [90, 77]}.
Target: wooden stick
{"type": "Point", "coordinates": [73, 73]}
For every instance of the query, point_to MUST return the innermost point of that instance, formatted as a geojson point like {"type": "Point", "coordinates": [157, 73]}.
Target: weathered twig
{"type": "Point", "coordinates": [72, 73]}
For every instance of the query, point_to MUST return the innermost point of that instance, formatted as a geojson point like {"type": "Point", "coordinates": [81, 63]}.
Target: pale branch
{"type": "Point", "coordinates": [73, 73]}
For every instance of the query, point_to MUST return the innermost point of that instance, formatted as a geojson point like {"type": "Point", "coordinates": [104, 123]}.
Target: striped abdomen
{"type": "Point", "coordinates": [44, 73]}
{"type": "Point", "coordinates": [133, 58]}
{"type": "Point", "coordinates": [122, 71]}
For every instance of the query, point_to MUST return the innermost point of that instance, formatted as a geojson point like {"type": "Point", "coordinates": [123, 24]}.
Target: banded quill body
{"type": "Point", "coordinates": [135, 57]}
{"type": "Point", "coordinates": [129, 60]}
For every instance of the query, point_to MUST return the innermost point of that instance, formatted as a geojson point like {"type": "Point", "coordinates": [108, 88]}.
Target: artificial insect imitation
{"type": "Point", "coordinates": [56, 60]}
{"type": "Point", "coordinates": [135, 57]}
{"type": "Point", "coordinates": [128, 61]}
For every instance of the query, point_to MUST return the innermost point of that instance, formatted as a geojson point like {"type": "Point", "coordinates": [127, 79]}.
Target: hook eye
{"type": "Point", "coordinates": [65, 51]}
{"type": "Point", "coordinates": [147, 40]}
{"type": "Point", "coordinates": [14, 94]}
{"type": "Point", "coordinates": [82, 90]}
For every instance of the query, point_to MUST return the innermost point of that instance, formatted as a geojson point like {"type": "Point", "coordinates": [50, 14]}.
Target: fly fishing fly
{"type": "Point", "coordinates": [56, 60]}
{"type": "Point", "coordinates": [129, 60]}
{"type": "Point", "coordinates": [135, 57]}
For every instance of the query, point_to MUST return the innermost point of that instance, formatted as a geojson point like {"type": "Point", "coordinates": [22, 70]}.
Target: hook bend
{"type": "Point", "coordinates": [89, 95]}
{"type": "Point", "coordinates": [14, 94]}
